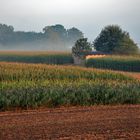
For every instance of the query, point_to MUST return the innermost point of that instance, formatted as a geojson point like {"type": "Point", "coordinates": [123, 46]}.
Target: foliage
{"type": "Point", "coordinates": [34, 85]}
{"type": "Point", "coordinates": [126, 46]}
{"type": "Point", "coordinates": [73, 35]}
{"type": "Point", "coordinates": [54, 37]}
{"type": "Point", "coordinates": [6, 33]}
{"type": "Point", "coordinates": [123, 63]}
{"type": "Point", "coordinates": [41, 57]}
{"type": "Point", "coordinates": [81, 48]}
{"type": "Point", "coordinates": [113, 39]}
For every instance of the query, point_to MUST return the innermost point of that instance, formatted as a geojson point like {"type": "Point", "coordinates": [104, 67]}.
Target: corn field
{"type": "Point", "coordinates": [123, 63]}
{"type": "Point", "coordinates": [33, 85]}
{"type": "Point", "coordinates": [37, 57]}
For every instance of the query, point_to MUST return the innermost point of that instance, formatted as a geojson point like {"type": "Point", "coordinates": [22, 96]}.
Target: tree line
{"type": "Point", "coordinates": [111, 40]}
{"type": "Point", "coordinates": [55, 37]}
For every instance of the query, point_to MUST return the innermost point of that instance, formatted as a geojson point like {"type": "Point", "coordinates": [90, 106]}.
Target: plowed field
{"type": "Point", "coordinates": [76, 123]}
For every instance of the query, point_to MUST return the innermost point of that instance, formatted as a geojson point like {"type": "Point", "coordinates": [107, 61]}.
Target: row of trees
{"type": "Point", "coordinates": [56, 35]}
{"type": "Point", "coordinates": [111, 40]}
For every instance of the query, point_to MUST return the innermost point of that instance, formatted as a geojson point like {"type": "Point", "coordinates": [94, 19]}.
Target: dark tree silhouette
{"type": "Point", "coordinates": [113, 39]}
{"type": "Point", "coordinates": [55, 37]}
{"type": "Point", "coordinates": [73, 35]}
{"type": "Point", "coordinates": [81, 48]}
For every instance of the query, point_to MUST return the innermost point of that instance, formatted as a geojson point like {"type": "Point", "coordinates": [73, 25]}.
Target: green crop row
{"type": "Point", "coordinates": [39, 72]}
{"type": "Point", "coordinates": [39, 58]}
{"type": "Point", "coordinates": [28, 94]}
{"type": "Point", "coordinates": [34, 85]}
{"type": "Point", "coordinates": [122, 63]}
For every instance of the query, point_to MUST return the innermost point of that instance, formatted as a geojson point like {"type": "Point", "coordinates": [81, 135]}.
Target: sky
{"type": "Point", "coordinates": [90, 16]}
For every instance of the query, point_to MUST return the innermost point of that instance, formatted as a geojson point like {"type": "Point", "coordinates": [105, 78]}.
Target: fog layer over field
{"type": "Point", "coordinates": [34, 47]}
{"type": "Point", "coordinates": [52, 38]}
{"type": "Point", "coordinates": [90, 16]}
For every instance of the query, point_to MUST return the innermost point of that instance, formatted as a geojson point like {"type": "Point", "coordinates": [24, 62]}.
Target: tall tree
{"type": "Point", "coordinates": [73, 35]}
{"type": "Point", "coordinates": [81, 48]}
{"type": "Point", "coordinates": [6, 33]}
{"type": "Point", "coordinates": [113, 39]}
{"type": "Point", "coordinates": [57, 29]}
{"type": "Point", "coordinates": [55, 37]}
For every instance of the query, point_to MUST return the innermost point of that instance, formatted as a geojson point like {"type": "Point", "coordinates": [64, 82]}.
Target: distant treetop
{"type": "Point", "coordinates": [113, 39]}
{"type": "Point", "coordinates": [52, 36]}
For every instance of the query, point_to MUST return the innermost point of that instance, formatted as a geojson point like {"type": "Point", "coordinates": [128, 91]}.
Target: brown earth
{"type": "Point", "coordinates": [77, 123]}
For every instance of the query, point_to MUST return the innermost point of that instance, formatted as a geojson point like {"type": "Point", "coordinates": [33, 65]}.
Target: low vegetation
{"type": "Point", "coordinates": [123, 63]}
{"type": "Point", "coordinates": [34, 85]}
{"type": "Point", "coordinates": [40, 57]}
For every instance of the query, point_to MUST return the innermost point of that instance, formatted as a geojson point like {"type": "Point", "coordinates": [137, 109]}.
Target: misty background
{"type": "Point", "coordinates": [52, 38]}
{"type": "Point", "coordinates": [88, 16]}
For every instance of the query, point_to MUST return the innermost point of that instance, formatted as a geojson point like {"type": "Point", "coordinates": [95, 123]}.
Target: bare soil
{"type": "Point", "coordinates": [120, 122]}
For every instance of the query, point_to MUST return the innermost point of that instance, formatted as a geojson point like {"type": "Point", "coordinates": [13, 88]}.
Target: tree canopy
{"type": "Point", "coordinates": [113, 39]}
{"type": "Point", "coordinates": [74, 34]}
{"type": "Point", "coordinates": [81, 48]}
{"type": "Point", "coordinates": [56, 37]}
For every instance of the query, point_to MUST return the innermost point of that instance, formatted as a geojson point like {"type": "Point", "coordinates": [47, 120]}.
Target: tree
{"type": "Point", "coordinates": [81, 48]}
{"type": "Point", "coordinates": [113, 39]}
{"type": "Point", "coordinates": [6, 29]}
{"type": "Point", "coordinates": [55, 37]}
{"type": "Point", "coordinates": [126, 46]}
{"type": "Point", "coordinates": [73, 35]}
{"type": "Point", "coordinates": [56, 29]}
{"type": "Point", "coordinates": [6, 33]}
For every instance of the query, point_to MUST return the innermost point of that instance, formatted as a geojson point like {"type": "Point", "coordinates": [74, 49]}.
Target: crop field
{"type": "Point", "coordinates": [33, 85]}
{"type": "Point", "coordinates": [37, 57]}
{"type": "Point", "coordinates": [111, 62]}
{"type": "Point", "coordinates": [123, 63]}
{"type": "Point", "coordinates": [66, 94]}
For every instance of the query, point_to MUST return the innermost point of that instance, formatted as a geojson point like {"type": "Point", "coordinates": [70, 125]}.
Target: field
{"type": "Point", "coordinates": [43, 57]}
{"type": "Point", "coordinates": [111, 62]}
{"type": "Point", "coordinates": [123, 63]}
{"type": "Point", "coordinates": [73, 123]}
{"type": "Point", "coordinates": [34, 85]}
{"type": "Point", "coordinates": [63, 101]}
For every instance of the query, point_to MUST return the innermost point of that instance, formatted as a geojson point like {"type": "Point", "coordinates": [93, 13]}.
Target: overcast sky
{"type": "Point", "coordinates": [90, 16]}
